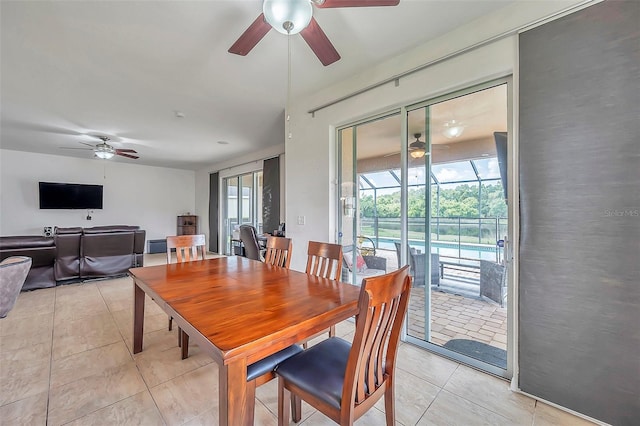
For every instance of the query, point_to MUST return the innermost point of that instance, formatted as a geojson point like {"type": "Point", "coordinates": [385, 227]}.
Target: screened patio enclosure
{"type": "Point", "coordinates": [468, 225]}
{"type": "Point", "coordinates": [468, 211]}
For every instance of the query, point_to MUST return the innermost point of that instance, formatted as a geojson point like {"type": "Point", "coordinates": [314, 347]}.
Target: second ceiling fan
{"type": "Point", "coordinates": [296, 16]}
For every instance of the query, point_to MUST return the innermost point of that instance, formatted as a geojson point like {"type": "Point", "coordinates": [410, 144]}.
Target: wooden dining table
{"type": "Point", "coordinates": [240, 311]}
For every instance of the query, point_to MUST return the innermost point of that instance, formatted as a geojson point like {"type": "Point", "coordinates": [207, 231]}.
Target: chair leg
{"type": "Point", "coordinates": [389, 405]}
{"type": "Point", "coordinates": [185, 344]}
{"type": "Point", "coordinates": [179, 337]}
{"type": "Point", "coordinates": [296, 408]}
{"type": "Point", "coordinates": [284, 400]}
{"type": "Point", "coordinates": [332, 331]}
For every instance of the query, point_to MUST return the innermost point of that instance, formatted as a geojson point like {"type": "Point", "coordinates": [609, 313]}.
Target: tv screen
{"type": "Point", "coordinates": [70, 196]}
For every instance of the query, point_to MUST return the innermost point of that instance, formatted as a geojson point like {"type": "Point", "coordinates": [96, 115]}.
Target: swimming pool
{"type": "Point", "coordinates": [448, 249]}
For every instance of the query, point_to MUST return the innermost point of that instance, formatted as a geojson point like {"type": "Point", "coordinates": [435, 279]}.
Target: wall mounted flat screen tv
{"type": "Point", "coordinates": [70, 196]}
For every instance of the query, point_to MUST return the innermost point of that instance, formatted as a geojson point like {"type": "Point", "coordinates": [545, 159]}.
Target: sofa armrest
{"type": "Point", "coordinates": [139, 237]}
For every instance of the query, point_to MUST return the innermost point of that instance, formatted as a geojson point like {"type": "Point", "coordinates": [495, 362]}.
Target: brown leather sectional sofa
{"type": "Point", "coordinates": [41, 250]}
{"type": "Point", "coordinates": [75, 254]}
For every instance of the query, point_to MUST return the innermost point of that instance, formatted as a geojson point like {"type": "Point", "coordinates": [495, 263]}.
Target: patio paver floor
{"type": "Point", "coordinates": [457, 317]}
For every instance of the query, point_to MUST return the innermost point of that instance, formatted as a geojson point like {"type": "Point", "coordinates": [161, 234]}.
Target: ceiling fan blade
{"type": "Point", "coordinates": [251, 36]}
{"type": "Point", "coordinates": [118, 151]}
{"type": "Point", "coordinates": [83, 149]}
{"type": "Point", "coordinates": [88, 144]}
{"type": "Point", "coordinates": [357, 3]}
{"type": "Point", "coordinates": [135, 157]}
{"type": "Point", "coordinates": [319, 43]}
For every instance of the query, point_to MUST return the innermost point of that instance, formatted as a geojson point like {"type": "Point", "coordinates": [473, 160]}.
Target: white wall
{"type": "Point", "coordinates": [150, 197]}
{"type": "Point", "coordinates": [310, 170]}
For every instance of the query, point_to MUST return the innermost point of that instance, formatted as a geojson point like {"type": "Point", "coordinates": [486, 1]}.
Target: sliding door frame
{"type": "Point", "coordinates": [513, 211]}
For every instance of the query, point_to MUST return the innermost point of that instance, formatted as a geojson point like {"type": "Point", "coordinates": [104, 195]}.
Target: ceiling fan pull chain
{"type": "Point", "coordinates": [288, 106]}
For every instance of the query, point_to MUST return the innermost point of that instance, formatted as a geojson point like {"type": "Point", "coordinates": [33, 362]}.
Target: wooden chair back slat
{"type": "Point", "coordinates": [324, 260]}
{"type": "Point", "coordinates": [279, 250]}
{"type": "Point", "coordinates": [383, 305]}
{"type": "Point", "coordinates": [188, 247]}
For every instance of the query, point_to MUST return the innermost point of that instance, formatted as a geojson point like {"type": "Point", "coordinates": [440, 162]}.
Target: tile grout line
{"type": "Point", "coordinates": [132, 359]}
{"type": "Point", "coordinates": [53, 328]}
{"type": "Point", "coordinates": [144, 380]}
{"type": "Point", "coordinates": [475, 403]}
{"type": "Point", "coordinates": [128, 350]}
{"type": "Point", "coordinates": [438, 393]}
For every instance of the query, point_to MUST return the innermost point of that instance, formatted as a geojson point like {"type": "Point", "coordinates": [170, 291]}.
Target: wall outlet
{"type": "Point", "coordinates": [301, 220]}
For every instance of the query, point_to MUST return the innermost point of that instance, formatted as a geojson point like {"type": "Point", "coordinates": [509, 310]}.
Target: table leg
{"type": "Point", "coordinates": [138, 317]}
{"type": "Point", "coordinates": [233, 394]}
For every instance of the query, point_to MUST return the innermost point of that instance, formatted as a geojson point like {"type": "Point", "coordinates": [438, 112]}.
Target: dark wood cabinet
{"type": "Point", "coordinates": [187, 225]}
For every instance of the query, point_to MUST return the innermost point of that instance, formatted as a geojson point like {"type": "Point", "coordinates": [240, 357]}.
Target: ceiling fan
{"type": "Point", "coordinates": [296, 16]}
{"type": "Point", "coordinates": [105, 151]}
{"type": "Point", "coordinates": [418, 149]}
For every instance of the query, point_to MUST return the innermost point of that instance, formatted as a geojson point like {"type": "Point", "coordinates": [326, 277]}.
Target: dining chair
{"type": "Point", "coordinates": [188, 248]}
{"type": "Point", "coordinates": [344, 380]}
{"type": "Point", "coordinates": [249, 238]}
{"type": "Point", "coordinates": [324, 260]}
{"type": "Point", "coordinates": [278, 251]}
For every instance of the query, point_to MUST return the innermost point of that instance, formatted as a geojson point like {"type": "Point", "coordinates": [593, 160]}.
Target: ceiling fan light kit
{"type": "Point", "coordinates": [453, 129]}
{"type": "Point", "coordinates": [287, 16]}
{"type": "Point", "coordinates": [417, 148]}
{"type": "Point", "coordinates": [104, 151]}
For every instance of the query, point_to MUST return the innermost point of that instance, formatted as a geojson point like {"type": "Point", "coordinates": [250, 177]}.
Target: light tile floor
{"type": "Point", "coordinates": [65, 358]}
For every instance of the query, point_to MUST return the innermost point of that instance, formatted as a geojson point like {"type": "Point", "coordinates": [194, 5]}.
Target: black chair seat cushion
{"type": "Point", "coordinates": [267, 364]}
{"type": "Point", "coordinates": [319, 370]}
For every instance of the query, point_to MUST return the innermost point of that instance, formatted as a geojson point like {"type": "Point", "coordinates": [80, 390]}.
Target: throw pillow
{"type": "Point", "coordinates": [361, 265]}
{"type": "Point", "coordinates": [348, 259]}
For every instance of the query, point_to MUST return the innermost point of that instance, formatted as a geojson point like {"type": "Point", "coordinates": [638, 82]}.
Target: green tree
{"type": "Point", "coordinates": [458, 201]}
{"type": "Point", "coordinates": [367, 205]}
{"type": "Point", "coordinates": [416, 202]}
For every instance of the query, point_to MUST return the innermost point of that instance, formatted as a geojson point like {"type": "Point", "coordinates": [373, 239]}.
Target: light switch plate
{"type": "Point", "coordinates": [301, 220]}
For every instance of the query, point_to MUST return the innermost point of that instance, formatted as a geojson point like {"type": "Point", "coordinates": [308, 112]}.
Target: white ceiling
{"type": "Point", "coordinates": [72, 69]}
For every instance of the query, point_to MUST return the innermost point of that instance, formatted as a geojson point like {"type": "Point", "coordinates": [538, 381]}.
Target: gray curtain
{"type": "Point", "coordinates": [271, 194]}
{"type": "Point", "coordinates": [579, 284]}
{"type": "Point", "coordinates": [214, 211]}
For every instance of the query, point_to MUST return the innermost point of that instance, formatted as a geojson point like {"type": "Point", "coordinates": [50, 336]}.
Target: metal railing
{"type": "Point", "coordinates": [466, 235]}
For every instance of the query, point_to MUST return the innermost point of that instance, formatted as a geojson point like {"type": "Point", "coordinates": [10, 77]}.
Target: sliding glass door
{"type": "Point", "coordinates": [426, 187]}
{"type": "Point", "coordinates": [242, 205]}
{"type": "Point", "coordinates": [369, 218]}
